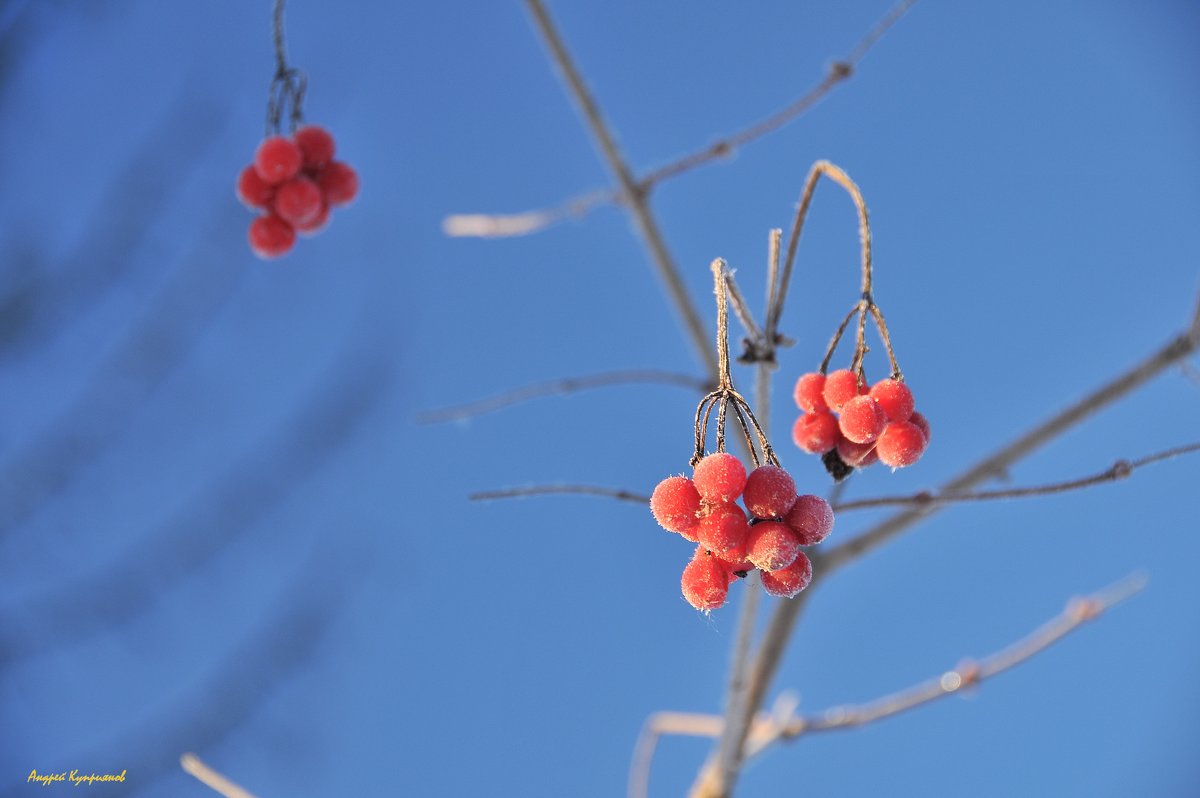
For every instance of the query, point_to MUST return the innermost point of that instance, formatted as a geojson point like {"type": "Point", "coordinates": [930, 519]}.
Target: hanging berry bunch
{"type": "Point", "coordinates": [294, 179]}
{"type": "Point", "coordinates": [771, 526]}
{"type": "Point", "coordinates": [851, 423]}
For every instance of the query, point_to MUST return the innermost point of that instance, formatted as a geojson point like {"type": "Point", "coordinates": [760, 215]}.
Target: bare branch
{"type": "Point", "coordinates": [558, 388]}
{"type": "Point", "coordinates": [770, 652]}
{"type": "Point", "coordinates": [1117, 471]}
{"type": "Point", "coordinates": [193, 766]}
{"type": "Point", "coordinates": [547, 490]}
{"type": "Point", "coordinates": [786, 726]}
{"type": "Point", "coordinates": [632, 195]}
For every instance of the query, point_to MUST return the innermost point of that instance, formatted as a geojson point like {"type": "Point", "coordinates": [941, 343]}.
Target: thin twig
{"type": "Point", "coordinates": [632, 195]}
{"type": "Point", "coordinates": [192, 765]}
{"type": "Point", "coordinates": [768, 730]}
{"type": "Point", "coordinates": [558, 388]}
{"type": "Point", "coordinates": [547, 490]}
{"type": "Point", "coordinates": [531, 221]}
{"type": "Point", "coordinates": [741, 308]}
{"type": "Point", "coordinates": [1117, 471]}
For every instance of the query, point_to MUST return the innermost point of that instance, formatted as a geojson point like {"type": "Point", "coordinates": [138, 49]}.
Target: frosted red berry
{"type": "Point", "coordinates": [316, 145]}
{"type": "Point", "coordinates": [811, 519]}
{"type": "Point", "coordinates": [901, 444]}
{"type": "Point", "coordinates": [705, 581]}
{"type": "Point", "coordinates": [773, 545]}
{"type": "Point", "coordinates": [298, 201]}
{"type": "Point", "coordinates": [720, 477]}
{"type": "Point", "coordinates": [277, 160]}
{"type": "Point", "coordinates": [816, 433]}
{"type": "Point", "coordinates": [840, 387]}
{"type": "Point", "coordinates": [271, 236]}
{"type": "Point", "coordinates": [788, 582]}
{"type": "Point", "coordinates": [856, 455]}
{"type": "Point", "coordinates": [894, 398]}
{"type": "Point", "coordinates": [338, 182]}
{"type": "Point", "coordinates": [724, 529]}
{"type": "Point", "coordinates": [922, 424]}
{"type": "Point", "coordinates": [770, 491]}
{"type": "Point", "coordinates": [676, 504]}
{"type": "Point", "coordinates": [809, 393]}
{"type": "Point", "coordinates": [861, 420]}
{"type": "Point", "coordinates": [252, 190]}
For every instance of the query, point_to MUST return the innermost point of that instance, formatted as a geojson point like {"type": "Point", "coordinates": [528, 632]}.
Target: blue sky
{"type": "Point", "coordinates": [223, 529]}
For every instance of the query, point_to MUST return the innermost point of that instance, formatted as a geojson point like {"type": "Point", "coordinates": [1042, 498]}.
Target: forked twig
{"type": "Point", "coordinates": [784, 724]}
{"type": "Point", "coordinates": [517, 224]}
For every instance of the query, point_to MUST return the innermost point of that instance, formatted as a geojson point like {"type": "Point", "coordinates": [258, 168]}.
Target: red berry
{"type": "Point", "coordinates": [858, 455]}
{"type": "Point", "coordinates": [316, 224]}
{"type": "Point", "coordinates": [840, 387]}
{"type": "Point", "coordinates": [769, 492]}
{"type": "Point", "coordinates": [705, 581]}
{"type": "Point", "coordinates": [922, 424]}
{"type": "Point", "coordinates": [316, 145]}
{"type": "Point", "coordinates": [298, 201]}
{"type": "Point", "coordinates": [271, 236]}
{"type": "Point", "coordinates": [894, 398]}
{"type": "Point", "coordinates": [809, 393]}
{"type": "Point", "coordinates": [811, 518]}
{"type": "Point", "coordinates": [676, 504]}
{"type": "Point", "coordinates": [338, 182]}
{"type": "Point", "coordinates": [901, 444]}
{"type": "Point", "coordinates": [252, 190]}
{"type": "Point", "coordinates": [788, 582]}
{"type": "Point", "coordinates": [720, 477]}
{"type": "Point", "coordinates": [277, 160]}
{"type": "Point", "coordinates": [773, 545]}
{"type": "Point", "coordinates": [724, 530]}
{"type": "Point", "coordinates": [816, 433]}
{"type": "Point", "coordinates": [861, 421]}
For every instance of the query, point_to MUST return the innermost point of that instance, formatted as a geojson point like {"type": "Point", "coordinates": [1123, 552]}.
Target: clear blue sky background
{"type": "Point", "coordinates": [223, 530]}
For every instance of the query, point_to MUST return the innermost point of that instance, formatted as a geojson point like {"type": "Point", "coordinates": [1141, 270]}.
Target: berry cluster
{"type": "Point", "coordinates": [767, 533]}
{"type": "Point", "coordinates": [876, 424]}
{"type": "Point", "coordinates": [296, 181]}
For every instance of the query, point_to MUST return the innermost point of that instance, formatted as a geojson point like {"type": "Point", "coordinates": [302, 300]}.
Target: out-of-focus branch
{"type": "Point", "coordinates": [633, 196]}
{"type": "Point", "coordinates": [1117, 471]}
{"type": "Point", "coordinates": [193, 766]}
{"type": "Point", "coordinates": [784, 724]}
{"type": "Point", "coordinates": [105, 408]}
{"type": "Point", "coordinates": [560, 387]}
{"type": "Point", "coordinates": [518, 224]}
{"type": "Point", "coordinates": [243, 495]}
{"type": "Point", "coordinates": [36, 307]}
